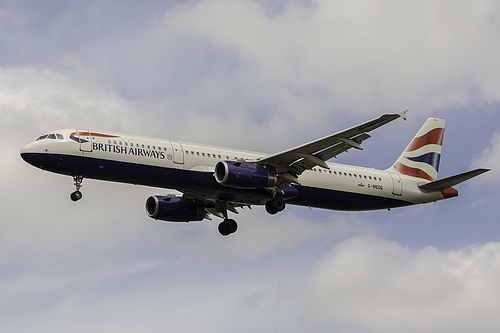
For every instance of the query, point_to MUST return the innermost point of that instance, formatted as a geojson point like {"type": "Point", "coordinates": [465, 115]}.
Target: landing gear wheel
{"type": "Point", "coordinates": [231, 225]}
{"type": "Point", "coordinates": [275, 205]}
{"type": "Point", "coordinates": [75, 196]}
{"type": "Point", "coordinates": [227, 227]}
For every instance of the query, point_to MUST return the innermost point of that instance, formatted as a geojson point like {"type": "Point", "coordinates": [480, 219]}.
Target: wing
{"type": "Point", "coordinates": [214, 207]}
{"type": "Point", "coordinates": [289, 164]}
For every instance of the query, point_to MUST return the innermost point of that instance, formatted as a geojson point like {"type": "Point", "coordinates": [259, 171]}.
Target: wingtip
{"type": "Point", "coordinates": [403, 114]}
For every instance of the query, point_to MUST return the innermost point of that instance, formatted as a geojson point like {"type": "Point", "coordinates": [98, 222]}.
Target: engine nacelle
{"type": "Point", "coordinates": [243, 175]}
{"type": "Point", "coordinates": [173, 209]}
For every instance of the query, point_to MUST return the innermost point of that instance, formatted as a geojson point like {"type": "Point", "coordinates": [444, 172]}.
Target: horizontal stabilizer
{"type": "Point", "coordinates": [445, 183]}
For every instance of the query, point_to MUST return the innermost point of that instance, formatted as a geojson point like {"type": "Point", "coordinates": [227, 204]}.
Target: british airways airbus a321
{"type": "Point", "coordinates": [216, 180]}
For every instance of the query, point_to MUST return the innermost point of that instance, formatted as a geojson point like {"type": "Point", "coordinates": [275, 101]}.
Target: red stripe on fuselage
{"type": "Point", "coordinates": [95, 134]}
{"type": "Point", "coordinates": [433, 137]}
{"type": "Point", "coordinates": [104, 135]}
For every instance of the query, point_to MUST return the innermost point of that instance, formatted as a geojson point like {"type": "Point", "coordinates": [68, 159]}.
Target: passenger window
{"type": "Point", "coordinates": [126, 143]}
{"type": "Point", "coordinates": [219, 157]}
{"type": "Point", "coordinates": [149, 147]}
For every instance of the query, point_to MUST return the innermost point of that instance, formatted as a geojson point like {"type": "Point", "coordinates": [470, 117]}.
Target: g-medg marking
{"type": "Point", "coordinates": [430, 158]}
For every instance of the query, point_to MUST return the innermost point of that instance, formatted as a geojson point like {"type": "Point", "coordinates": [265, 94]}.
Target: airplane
{"type": "Point", "coordinates": [216, 180]}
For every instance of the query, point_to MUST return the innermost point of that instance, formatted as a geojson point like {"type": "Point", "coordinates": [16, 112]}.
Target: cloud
{"type": "Point", "coordinates": [362, 56]}
{"type": "Point", "coordinates": [371, 284]}
{"type": "Point", "coordinates": [40, 97]}
{"type": "Point", "coordinates": [490, 158]}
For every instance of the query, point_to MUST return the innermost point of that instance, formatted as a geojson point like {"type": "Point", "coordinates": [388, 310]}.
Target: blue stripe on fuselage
{"type": "Point", "coordinates": [342, 200]}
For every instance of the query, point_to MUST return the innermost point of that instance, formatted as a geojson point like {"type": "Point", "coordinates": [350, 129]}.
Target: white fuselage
{"type": "Point", "coordinates": [126, 158]}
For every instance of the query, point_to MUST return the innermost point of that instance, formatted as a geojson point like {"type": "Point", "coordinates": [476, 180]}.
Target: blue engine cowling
{"type": "Point", "coordinates": [243, 175]}
{"type": "Point", "coordinates": [173, 209]}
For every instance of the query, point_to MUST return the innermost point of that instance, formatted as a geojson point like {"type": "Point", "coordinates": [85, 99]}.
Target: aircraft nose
{"type": "Point", "coordinates": [29, 154]}
{"type": "Point", "coordinates": [25, 153]}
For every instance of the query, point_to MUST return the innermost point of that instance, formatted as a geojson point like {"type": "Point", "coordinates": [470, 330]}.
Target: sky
{"type": "Point", "coordinates": [264, 76]}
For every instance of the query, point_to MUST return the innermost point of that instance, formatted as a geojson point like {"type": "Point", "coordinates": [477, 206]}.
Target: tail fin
{"type": "Point", "coordinates": [421, 158]}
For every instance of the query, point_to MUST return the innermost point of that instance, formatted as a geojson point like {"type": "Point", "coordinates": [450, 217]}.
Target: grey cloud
{"type": "Point", "coordinates": [379, 53]}
{"type": "Point", "coordinates": [490, 158]}
{"type": "Point", "coordinates": [370, 284]}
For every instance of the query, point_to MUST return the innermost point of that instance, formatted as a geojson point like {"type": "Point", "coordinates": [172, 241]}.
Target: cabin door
{"type": "Point", "coordinates": [178, 153]}
{"type": "Point", "coordinates": [397, 186]}
{"type": "Point", "coordinates": [85, 139]}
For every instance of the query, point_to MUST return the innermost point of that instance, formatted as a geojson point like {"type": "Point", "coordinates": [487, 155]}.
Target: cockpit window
{"type": "Point", "coordinates": [51, 136]}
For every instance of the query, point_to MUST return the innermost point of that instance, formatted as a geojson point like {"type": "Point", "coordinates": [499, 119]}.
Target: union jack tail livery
{"type": "Point", "coordinates": [421, 158]}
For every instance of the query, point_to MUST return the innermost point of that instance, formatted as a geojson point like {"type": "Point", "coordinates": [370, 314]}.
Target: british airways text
{"type": "Point", "coordinates": [128, 150]}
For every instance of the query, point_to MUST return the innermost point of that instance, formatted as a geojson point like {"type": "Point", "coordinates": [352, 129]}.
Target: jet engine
{"type": "Point", "coordinates": [173, 209]}
{"type": "Point", "coordinates": [243, 175]}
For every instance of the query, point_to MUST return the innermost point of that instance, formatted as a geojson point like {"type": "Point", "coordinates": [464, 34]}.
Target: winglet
{"type": "Point", "coordinates": [403, 114]}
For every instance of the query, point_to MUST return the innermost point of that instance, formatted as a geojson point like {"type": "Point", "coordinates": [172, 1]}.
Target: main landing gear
{"type": "Point", "coordinates": [227, 226]}
{"type": "Point", "coordinates": [275, 205]}
{"type": "Point", "coordinates": [77, 195]}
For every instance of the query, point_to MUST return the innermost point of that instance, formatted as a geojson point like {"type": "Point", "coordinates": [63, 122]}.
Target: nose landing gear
{"type": "Point", "coordinates": [77, 195]}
